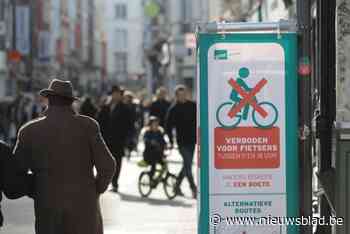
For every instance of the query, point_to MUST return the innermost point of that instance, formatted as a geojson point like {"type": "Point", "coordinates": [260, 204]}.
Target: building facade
{"type": "Point", "coordinates": [250, 10]}
{"type": "Point", "coordinates": [228, 10]}
{"type": "Point", "coordinates": [124, 32]}
{"type": "Point", "coordinates": [343, 60]}
{"type": "Point", "coordinates": [268, 10]}
{"type": "Point", "coordinates": [3, 31]}
{"type": "Point", "coordinates": [50, 38]}
{"type": "Point", "coordinates": [183, 17]}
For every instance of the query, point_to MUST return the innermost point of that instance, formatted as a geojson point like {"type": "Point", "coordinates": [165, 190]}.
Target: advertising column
{"type": "Point", "coordinates": [248, 132]}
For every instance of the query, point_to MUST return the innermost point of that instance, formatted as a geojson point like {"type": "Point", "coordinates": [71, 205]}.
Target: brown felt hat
{"type": "Point", "coordinates": [59, 88]}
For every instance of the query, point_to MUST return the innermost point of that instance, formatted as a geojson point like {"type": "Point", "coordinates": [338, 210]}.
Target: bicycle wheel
{"type": "Point", "coordinates": [270, 119]}
{"type": "Point", "coordinates": [144, 184]}
{"type": "Point", "coordinates": [169, 183]}
{"type": "Point", "coordinates": [222, 116]}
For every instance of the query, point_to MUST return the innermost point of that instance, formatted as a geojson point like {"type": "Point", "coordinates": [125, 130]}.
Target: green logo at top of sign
{"type": "Point", "coordinates": [220, 54]}
{"type": "Point", "coordinates": [152, 9]}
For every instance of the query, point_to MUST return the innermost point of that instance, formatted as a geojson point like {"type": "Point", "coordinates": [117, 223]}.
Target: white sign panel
{"type": "Point", "coordinates": [247, 162]}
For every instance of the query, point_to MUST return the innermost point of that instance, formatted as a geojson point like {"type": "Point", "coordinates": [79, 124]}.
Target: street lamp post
{"type": "Point", "coordinates": [326, 48]}
{"type": "Point", "coordinates": [305, 105]}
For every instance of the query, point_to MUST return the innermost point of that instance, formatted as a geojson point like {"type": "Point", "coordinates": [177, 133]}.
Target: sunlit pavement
{"type": "Point", "coordinates": [125, 212]}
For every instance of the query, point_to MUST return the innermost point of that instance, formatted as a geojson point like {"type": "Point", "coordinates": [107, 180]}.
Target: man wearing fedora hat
{"type": "Point", "coordinates": [61, 149]}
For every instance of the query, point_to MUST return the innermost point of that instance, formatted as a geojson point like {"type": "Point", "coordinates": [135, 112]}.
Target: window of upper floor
{"type": "Point", "coordinates": [121, 11]}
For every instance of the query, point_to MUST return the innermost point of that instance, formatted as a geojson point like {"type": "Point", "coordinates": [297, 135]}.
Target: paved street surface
{"type": "Point", "coordinates": [126, 212]}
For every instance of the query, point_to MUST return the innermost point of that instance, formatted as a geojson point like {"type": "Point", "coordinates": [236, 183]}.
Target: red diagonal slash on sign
{"type": "Point", "coordinates": [247, 98]}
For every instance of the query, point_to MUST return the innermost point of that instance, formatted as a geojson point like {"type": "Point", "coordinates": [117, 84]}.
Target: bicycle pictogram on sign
{"type": "Point", "coordinates": [230, 114]}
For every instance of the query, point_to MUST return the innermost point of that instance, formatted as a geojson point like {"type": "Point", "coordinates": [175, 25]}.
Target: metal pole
{"type": "Point", "coordinates": [326, 32]}
{"type": "Point", "coordinates": [305, 105]}
{"type": "Point", "coordinates": [14, 46]}
{"type": "Point", "coordinates": [260, 17]}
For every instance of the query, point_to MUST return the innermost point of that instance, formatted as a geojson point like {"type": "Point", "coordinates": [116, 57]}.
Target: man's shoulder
{"type": "Point", "coordinates": [125, 108]}
{"type": "Point", "coordinates": [87, 121]}
{"type": "Point", "coordinates": [192, 104]}
{"type": "Point", "coordinates": [32, 124]}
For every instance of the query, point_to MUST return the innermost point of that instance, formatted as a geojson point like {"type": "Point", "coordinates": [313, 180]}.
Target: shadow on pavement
{"type": "Point", "coordinates": [153, 201]}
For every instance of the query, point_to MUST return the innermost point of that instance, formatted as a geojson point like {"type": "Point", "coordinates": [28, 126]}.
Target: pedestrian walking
{"type": "Point", "coordinates": [115, 120]}
{"type": "Point", "coordinates": [62, 149]}
{"type": "Point", "coordinates": [182, 117]}
{"type": "Point", "coordinates": [131, 142]}
{"type": "Point", "coordinates": [14, 183]}
{"type": "Point", "coordinates": [88, 108]}
{"type": "Point", "coordinates": [160, 106]}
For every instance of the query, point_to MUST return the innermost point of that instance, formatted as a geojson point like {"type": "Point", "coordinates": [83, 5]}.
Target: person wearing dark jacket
{"type": "Point", "coordinates": [160, 106]}
{"type": "Point", "coordinates": [5, 153]}
{"type": "Point", "coordinates": [129, 101]}
{"type": "Point", "coordinates": [14, 182]}
{"type": "Point", "coordinates": [182, 117]}
{"type": "Point", "coordinates": [115, 120]}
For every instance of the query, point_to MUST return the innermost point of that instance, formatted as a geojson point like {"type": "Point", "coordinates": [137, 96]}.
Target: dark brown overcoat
{"type": "Point", "coordinates": [62, 149]}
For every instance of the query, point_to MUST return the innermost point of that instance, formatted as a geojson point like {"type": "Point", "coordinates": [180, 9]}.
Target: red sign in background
{"type": "Point", "coordinates": [247, 147]}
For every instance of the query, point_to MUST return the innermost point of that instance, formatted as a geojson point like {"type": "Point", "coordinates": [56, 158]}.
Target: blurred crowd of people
{"type": "Point", "coordinates": [57, 141]}
{"type": "Point", "coordinates": [122, 116]}
{"type": "Point", "coordinates": [14, 112]}
{"type": "Point", "coordinates": [18, 111]}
